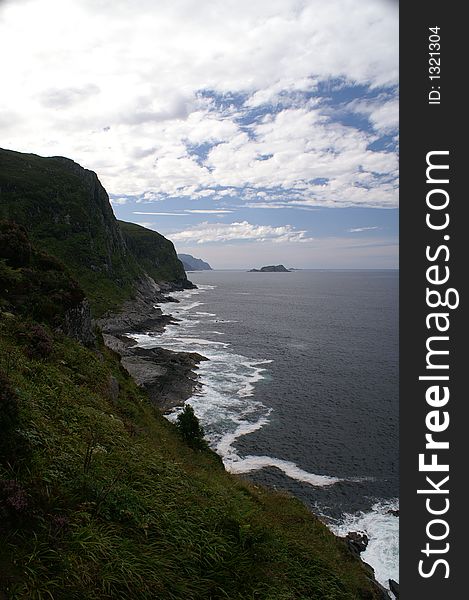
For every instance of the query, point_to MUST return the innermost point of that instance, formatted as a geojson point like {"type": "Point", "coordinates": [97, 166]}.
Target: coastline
{"type": "Point", "coordinates": [170, 378]}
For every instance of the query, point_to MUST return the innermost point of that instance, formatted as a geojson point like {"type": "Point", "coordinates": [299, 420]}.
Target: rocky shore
{"type": "Point", "coordinates": [168, 377]}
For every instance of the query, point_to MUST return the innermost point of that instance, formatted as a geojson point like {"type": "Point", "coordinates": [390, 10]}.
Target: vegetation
{"type": "Point", "coordinates": [154, 252]}
{"type": "Point", "coordinates": [190, 429]}
{"type": "Point", "coordinates": [101, 499]}
{"type": "Point", "coordinates": [66, 212]}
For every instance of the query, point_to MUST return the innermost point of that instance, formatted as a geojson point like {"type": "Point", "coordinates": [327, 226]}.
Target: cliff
{"type": "Point", "coordinates": [194, 264]}
{"type": "Point", "coordinates": [155, 254]}
{"type": "Point", "coordinates": [67, 213]}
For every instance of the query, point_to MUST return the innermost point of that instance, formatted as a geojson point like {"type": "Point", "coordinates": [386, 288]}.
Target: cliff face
{"type": "Point", "coordinates": [155, 254]}
{"type": "Point", "coordinates": [66, 212]}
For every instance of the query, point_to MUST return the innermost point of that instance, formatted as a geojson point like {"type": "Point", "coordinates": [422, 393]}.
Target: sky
{"type": "Point", "coordinates": [247, 132]}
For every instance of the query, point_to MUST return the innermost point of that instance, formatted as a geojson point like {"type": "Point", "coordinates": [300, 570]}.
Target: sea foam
{"type": "Point", "coordinates": [225, 403]}
{"type": "Point", "coordinates": [382, 529]}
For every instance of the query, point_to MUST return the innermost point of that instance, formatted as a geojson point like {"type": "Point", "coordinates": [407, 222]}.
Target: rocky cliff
{"type": "Point", "coordinates": [155, 254]}
{"type": "Point", "coordinates": [66, 212]}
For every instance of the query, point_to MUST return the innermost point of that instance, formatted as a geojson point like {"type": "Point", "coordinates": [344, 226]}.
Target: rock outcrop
{"type": "Point", "coordinates": [394, 587]}
{"type": "Point", "coordinates": [78, 323]}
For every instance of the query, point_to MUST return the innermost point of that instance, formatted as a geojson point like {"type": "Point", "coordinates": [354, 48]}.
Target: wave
{"type": "Point", "coordinates": [225, 404]}
{"type": "Point", "coordinates": [382, 529]}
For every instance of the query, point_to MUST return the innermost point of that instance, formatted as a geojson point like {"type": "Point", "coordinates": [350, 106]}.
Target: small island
{"type": "Point", "coordinates": [270, 269]}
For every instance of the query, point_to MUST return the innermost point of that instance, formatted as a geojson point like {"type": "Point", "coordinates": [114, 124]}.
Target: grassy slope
{"type": "Point", "coordinates": [100, 498]}
{"type": "Point", "coordinates": [148, 517]}
{"type": "Point", "coordinates": [155, 254]}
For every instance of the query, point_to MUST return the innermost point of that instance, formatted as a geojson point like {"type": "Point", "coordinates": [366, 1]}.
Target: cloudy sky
{"type": "Point", "coordinates": [248, 132]}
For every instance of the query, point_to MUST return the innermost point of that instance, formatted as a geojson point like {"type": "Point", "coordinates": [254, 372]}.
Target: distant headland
{"type": "Point", "coordinates": [193, 264]}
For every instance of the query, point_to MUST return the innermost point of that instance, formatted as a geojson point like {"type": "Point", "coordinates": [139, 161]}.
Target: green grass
{"type": "Point", "coordinates": [117, 506]}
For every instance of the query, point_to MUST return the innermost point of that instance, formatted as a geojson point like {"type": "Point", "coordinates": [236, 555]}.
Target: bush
{"type": "Point", "coordinates": [190, 429]}
{"type": "Point", "coordinates": [14, 244]}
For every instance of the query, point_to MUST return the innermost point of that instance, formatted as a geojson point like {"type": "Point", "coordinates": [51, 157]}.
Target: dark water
{"type": "Point", "coordinates": [326, 404]}
{"type": "Point", "coordinates": [333, 382]}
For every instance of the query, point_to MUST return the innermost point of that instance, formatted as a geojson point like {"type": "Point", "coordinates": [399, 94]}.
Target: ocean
{"type": "Point", "coordinates": [300, 391]}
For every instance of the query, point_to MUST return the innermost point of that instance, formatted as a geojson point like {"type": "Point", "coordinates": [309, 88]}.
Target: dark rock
{"type": "Point", "coordinates": [168, 377]}
{"type": "Point", "coordinates": [79, 325]}
{"type": "Point", "coordinates": [394, 587]}
{"type": "Point", "coordinates": [357, 541]}
{"type": "Point", "coordinates": [393, 512]}
{"type": "Point", "coordinates": [271, 269]}
{"type": "Point", "coordinates": [140, 314]}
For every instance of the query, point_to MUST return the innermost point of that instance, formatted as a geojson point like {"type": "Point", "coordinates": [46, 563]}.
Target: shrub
{"type": "Point", "coordinates": [190, 429]}
{"type": "Point", "coordinates": [14, 244]}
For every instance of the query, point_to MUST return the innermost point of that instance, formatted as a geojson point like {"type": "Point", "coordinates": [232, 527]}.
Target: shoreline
{"type": "Point", "coordinates": [170, 377]}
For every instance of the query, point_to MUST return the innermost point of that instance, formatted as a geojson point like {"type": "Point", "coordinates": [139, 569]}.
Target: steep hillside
{"type": "Point", "coordinates": [154, 253]}
{"type": "Point", "coordinates": [67, 212]}
{"type": "Point", "coordinates": [100, 496]}
{"type": "Point", "coordinates": [194, 264]}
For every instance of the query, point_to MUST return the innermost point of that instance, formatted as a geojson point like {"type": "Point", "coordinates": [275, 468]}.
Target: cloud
{"type": "Point", "coordinates": [360, 229]}
{"type": "Point", "coordinates": [119, 201]}
{"type": "Point", "coordinates": [205, 211]}
{"type": "Point", "coordinates": [161, 214]}
{"type": "Point", "coordinates": [277, 206]}
{"type": "Point", "coordinates": [65, 97]}
{"type": "Point", "coordinates": [224, 232]}
{"type": "Point", "coordinates": [196, 100]}
{"type": "Point", "coordinates": [383, 113]}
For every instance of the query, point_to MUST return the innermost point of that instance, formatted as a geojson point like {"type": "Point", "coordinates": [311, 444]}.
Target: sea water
{"type": "Point", "coordinates": [300, 391]}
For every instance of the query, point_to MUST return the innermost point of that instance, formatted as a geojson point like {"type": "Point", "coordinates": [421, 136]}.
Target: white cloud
{"type": "Point", "coordinates": [382, 113]}
{"type": "Point", "coordinates": [224, 232]}
{"type": "Point", "coordinates": [59, 98]}
{"type": "Point", "coordinates": [208, 211]}
{"type": "Point", "coordinates": [360, 229]}
{"type": "Point", "coordinates": [161, 214]}
{"type": "Point", "coordinates": [119, 201]}
{"type": "Point", "coordinates": [129, 102]}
